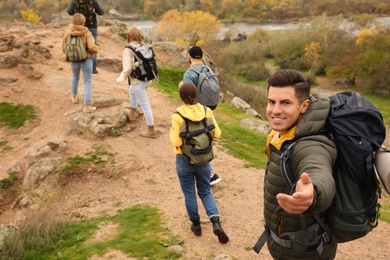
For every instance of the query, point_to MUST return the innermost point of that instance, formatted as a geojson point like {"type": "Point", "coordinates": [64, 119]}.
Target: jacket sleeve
{"type": "Point", "coordinates": [174, 133]}
{"type": "Point", "coordinates": [127, 65]}
{"type": "Point", "coordinates": [97, 7]}
{"type": "Point", "coordinates": [91, 46]}
{"type": "Point", "coordinates": [64, 39]}
{"type": "Point", "coordinates": [317, 157]}
{"type": "Point", "coordinates": [71, 8]}
{"type": "Point", "coordinates": [217, 130]}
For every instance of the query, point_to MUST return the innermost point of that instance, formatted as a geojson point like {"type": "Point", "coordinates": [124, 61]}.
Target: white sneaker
{"type": "Point", "coordinates": [89, 109]}
{"type": "Point", "coordinates": [74, 99]}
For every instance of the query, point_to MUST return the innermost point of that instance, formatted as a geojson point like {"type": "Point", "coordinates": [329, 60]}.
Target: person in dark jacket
{"type": "Point", "coordinates": [295, 114]}
{"type": "Point", "coordinates": [91, 21]}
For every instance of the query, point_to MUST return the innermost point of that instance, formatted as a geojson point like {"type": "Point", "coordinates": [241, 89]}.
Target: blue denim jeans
{"type": "Point", "coordinates": [199, 176]}
{"type": "Point", "coordinates": [138, 95]}
{"type": "Point", "coordinates": [86, 67]}
{"type": "Point", "coordinates": [94, 32]}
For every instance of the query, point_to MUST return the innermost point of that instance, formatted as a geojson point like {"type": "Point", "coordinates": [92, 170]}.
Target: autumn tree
{"type": "Point", "coordinates": [191, 28]}
{"type": "Point", "coordinates": [313, 54]}
{"type": "Point", "coordinates": [30, 16]}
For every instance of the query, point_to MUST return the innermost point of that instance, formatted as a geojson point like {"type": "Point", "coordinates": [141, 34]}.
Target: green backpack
{"type": "Point", "coordinates": [197, 137]}
{"type": "Point", "coordinates": [74, 49]}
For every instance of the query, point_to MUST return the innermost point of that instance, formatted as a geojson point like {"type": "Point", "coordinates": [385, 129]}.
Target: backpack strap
{"type": "Point", "coordinates": [140, 61]}
{"type": "Point", "coordinates": [199, 69]}
{"type": "Point", "coordinates": [135, 53]}
{"type": "Point", "coordinates": [285, 165]}
{"type": "Point", "coordinates": [288, 243]}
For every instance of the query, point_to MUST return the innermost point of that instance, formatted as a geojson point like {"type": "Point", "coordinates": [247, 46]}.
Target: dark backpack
{"type": "Point", "coordinates": [356, 126]}
{"type": "Point", "coordinates": [85, 7]}
{"type": "Point", "coordinates": [208, 86]}
{"type": "Point", "coordinates": [144, 63]}
{"type": "Point", "coordinates": [74, 49]}
{"type": "Point", "coordinates": [197, 137]}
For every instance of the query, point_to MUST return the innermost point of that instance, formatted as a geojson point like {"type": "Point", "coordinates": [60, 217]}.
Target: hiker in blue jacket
{"type": "Point", "coordinates": [91, 21]}
{"type": "Point", "coordinates": [293, 113]}
{"type": "Point", "coordinates": [195, 58]}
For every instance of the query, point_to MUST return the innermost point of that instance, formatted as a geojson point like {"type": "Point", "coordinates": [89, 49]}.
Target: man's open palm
{"type": "Point", "coordinates": [301, 199]}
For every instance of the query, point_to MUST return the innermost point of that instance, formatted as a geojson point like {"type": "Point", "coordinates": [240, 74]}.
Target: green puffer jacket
{"type": "Point", "coordinates": [314, 154]}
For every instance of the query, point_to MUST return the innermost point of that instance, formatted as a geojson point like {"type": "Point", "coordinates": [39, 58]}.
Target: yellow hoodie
{"type": "Point", "coordinates": [194, 113]}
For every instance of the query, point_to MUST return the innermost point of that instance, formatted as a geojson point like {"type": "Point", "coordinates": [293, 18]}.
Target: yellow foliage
{"type": "Point", "coordinates": [191, 27]}
{"type": "Point", "coordinates": [30, 16]}
{"type": "Point", "coordinates": [364, 34]}
{"type": "Point", "coordinates": [168, 26]}
{"type": "Point", "coordinates": [313, 51]}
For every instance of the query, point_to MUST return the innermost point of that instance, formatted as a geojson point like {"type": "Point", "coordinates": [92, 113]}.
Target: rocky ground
{"type": "Point", "coordinates": [145, 168]}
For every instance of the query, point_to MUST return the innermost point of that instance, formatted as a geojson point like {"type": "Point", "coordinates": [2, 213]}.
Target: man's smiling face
{"type": "Point", "coordinates": [284, 109]}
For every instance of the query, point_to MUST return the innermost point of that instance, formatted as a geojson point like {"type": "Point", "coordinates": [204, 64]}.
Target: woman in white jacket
{"type": "Point", "coordinates": [137, 90]}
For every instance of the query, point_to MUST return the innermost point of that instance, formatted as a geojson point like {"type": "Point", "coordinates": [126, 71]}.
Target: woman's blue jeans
{"type": "Point", "coordinates": [86, 68]}
{"type": "Point", "coordinates": [138, 94]}
{"type": "Point", "coordinates": [199, 176]}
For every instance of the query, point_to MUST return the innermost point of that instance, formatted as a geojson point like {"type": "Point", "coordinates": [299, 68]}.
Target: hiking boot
{"type": "Point", "coordinates": [151, 133]}
{"type": "Point", "coordinates": [214, 179]}
{"type": "Point", "coordinates": [196, 228]}
{"type": "Point", "coordinates": [88, 108]}
{"type": "Point", "coordinates": [218, 231]}
{"type": "Point", "coordinates": [132, 114]}
{"type": "Point", "coordinates": [74, 99]}
{"type": "Point", "coordinates": [95, 72]}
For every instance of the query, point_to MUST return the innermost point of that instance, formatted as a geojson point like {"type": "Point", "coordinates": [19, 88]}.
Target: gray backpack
{"type": "Point", "coordinates": [208, 87]}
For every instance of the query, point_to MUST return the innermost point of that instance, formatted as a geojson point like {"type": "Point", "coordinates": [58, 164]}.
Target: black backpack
{"type": "Point", "coordinates": [208, 87]}
{"type": "Point", "coordinates": [85, 7]}
{"type": "Point", "coordinates": [144, 63]}
{"type": "Point", "coordinates": [357, 128]}
{"type": "Point", "coordinates": [197, 138]}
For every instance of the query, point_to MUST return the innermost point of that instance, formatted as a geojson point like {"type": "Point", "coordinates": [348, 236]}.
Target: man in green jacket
{"type": "Point", "coordinates": [295, 114]}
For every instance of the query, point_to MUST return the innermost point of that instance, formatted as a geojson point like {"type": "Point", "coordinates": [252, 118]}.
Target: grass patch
{"type": "Point", "coordinates": [14, 116]}
{"type": "Point", "coordinates": [4, 146]}
{"type": "Point", "coordinates": [385, 213]}
{"type": "Point", "coordinates": [240, 142]}
{"type": "Point", "coordinates": [139, 234]}
{"type": "Point", "coordinates": [383, 104]}
{"type": "Point", "coordinates": [8, 182]}
{"type": "Point", "coordinates": [168, 81]}
{"type": "Point", "coordinates": [99, 156]}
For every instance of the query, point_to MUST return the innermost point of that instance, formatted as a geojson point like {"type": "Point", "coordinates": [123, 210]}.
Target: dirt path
{"type": "Point", "coordinates": [145, 172]}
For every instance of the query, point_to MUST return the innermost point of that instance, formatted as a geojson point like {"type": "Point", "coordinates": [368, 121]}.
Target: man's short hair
{"type": "Point", "coordinates": [291, 78]}
{"type": "Point", "coordinates": [196, 52]}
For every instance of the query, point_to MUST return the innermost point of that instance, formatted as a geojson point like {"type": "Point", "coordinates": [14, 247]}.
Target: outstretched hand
{"type": "Point", "coordinates": [301, 199]}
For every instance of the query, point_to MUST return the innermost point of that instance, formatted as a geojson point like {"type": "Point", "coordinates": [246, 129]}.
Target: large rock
{"type": "Point", "coordinates": [256, 124]}
{"type": "Point", "coordinates": [43, 159]}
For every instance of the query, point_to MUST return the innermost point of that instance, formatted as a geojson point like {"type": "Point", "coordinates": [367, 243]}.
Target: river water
{"type": "Point", "coordinates": [249, 28]}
